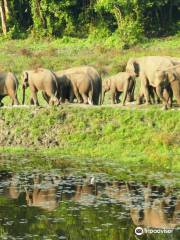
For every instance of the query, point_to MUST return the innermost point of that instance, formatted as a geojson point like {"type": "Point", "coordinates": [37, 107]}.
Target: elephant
{"type": "Point", "coordinates": [171, 76]}
{"type": "Point", "coordinates": [8, 87]}
{"type": "Point", "coordinates": [146, 68]}
{"type": "Point", "coordinates": [121, 82]}
{"type": "Point", "coordinates": [40, 80]}
{"type": "Point", "coordinates": [83, 83]}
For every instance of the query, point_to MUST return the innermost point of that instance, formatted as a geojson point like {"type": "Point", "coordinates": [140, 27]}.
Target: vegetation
{"type": "Point", "coordinates": [120, 21]}
{"type": "Point", "coordinates": [110, 134]}
{"type": "Point", "coordinates": [127, 143]}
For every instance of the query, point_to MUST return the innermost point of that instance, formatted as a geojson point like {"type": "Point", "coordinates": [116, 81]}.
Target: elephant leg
{"type": "Point", "coordinates": [14, 98]}
{"type": "Point", "coordinates": [170, 102]}
{"type": "Point", "coordinates": [90, 100]}
{"type": "Point", "coordinates": [34, 97]}
{"type": "Point", "coordinates": [146, 95]}
{"type": "Point", "coordinates": [140, 99]}
{"type": "Point", "coordinates": [77, 95]}
{"type": "Point", "coordinates": [12, 94]}
{"type": "Point", "coordinates": [159, 91]}
{"type": "Point", "coordinates": [85, 98]}
{"type": "Point", "coordinates": [117, 97]}
{"type": "Point", "coordinates": [152, 94]}
{"type": "Point", "coordinates": [71, 96]}
{"type": "Point", "coordinates": [113, 96]}
{"type": "Point", "coordinates": [54, 101]}
{"type": "Point", "coordinates": [31, 101]}
{"type": "Point", "coordinates": [175, 85]}
{"type": "Point", "coordinates": [145, 88]}
{"type": "Point", "coordinates": [46, 97]}
{"type": "Point", "coordinates": [131, 92]}
{"type": "Point", "coordinates": [103, 96]}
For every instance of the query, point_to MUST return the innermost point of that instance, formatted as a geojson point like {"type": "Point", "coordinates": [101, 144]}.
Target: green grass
{"type": "Point", "coordinates": [104, 134]}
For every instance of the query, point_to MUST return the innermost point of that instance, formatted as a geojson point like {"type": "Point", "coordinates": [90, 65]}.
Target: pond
{"type": "Point", "coordinates": [56, 204]}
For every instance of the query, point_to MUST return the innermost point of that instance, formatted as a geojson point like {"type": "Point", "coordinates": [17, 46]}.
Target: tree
{"type": "Point", "coordinates": [3, 16]}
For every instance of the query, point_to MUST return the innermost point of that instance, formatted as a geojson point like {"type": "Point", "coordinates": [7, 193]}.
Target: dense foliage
{"type": "Point", "coordinates": [125, 20]}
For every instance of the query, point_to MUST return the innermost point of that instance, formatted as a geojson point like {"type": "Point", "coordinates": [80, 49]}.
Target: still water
{"type": "Point", "coordinates": [89, 206]}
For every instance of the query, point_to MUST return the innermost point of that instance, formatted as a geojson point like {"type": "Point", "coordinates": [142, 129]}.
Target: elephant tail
{"type": "Point", "coordinates": [97, 90]}
{"type": "Point", "coordinates": [100, 90]}
{"type": "Point", "coordinates": [132, 88]}
{"type": "Point", "coordinates": [56, 87]}
{"type": "Point", "coordinates": [91, 93]}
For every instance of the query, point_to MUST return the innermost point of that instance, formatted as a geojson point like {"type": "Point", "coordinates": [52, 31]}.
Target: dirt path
{"type": "Point", "coordinates": [130, 106]}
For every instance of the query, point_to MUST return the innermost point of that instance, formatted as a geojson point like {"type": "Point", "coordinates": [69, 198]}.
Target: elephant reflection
{"type": "Point", "coordinates": [9, 184]}
{"type": "Point", "coordinates": [42, 194]}
{"type": "Point", "coordinates": [39, 193]}
{"type": "Point", "coordinates": [155, 207]}
{"type": "Point", "coordinates": [149, 205]}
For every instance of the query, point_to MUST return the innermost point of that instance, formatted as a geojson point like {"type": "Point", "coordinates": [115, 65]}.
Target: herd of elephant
{"type": "Point", "coordinates": [159, 78]}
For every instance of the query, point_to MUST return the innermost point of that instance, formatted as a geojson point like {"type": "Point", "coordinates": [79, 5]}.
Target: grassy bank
{"type": "Point", "coordinates": [106, 134]}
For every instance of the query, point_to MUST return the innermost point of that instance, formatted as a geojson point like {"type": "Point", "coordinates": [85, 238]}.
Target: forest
{"type": "Point", "coordinates": [125, 21]}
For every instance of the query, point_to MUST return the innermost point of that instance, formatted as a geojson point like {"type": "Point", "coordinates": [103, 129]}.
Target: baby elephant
{"type": "Point", "coordinates": [122, 82]}
{"type": "Point", "coordinates": [8, 87]}
{"type": "Point", "coordinates": [40, 80]}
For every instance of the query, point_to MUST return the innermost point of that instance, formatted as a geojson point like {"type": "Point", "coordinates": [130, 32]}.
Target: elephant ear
{"type": "Point", "coordinates": [171, 76]}
{"type": "Point", "coordinates": [136, 67]}
{"type": "Point", "coordinates": [132, 67]}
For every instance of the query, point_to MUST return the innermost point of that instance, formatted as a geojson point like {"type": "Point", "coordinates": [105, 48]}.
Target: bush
{"type": "Point", "coordinates": [99, 34]}
{"type": "Point", "coordinates": [128, 34]}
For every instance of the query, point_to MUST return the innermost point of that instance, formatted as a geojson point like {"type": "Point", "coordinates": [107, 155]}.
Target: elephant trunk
{"type": "Point", "coordinates": [24, 91]}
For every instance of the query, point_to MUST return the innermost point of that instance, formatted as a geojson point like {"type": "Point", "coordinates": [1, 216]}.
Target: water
{"type": "Point", "coordinates": [89, 206]}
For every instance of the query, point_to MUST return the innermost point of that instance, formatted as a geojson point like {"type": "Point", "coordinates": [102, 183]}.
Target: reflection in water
{"type": "Point", "coordinates": [85, 204]}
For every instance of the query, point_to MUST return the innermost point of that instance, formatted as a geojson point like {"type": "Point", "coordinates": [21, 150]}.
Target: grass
{"type": "Point", "coordinates": [102, 133]}
{"type": "Point", "coordinates": [144, 136]}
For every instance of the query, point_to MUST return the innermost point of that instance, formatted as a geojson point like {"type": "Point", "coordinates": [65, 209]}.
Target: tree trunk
{"type": "Point", "coordinates": [6, 6]}
{"type": "Point", "coordinates": [3, 17]}
{"type": "Point", "coordinates": [39, 13]}
{"type": "Point", "coordinates": [118, 16]}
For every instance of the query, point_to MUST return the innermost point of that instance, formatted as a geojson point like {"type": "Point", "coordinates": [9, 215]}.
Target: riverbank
{"type": "Point", "coordinates": [138, 136]}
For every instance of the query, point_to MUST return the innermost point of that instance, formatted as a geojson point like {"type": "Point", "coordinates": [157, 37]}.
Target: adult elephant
{"type": "Point", "coordinates": [146, 68]}
{"type": "Point", "coordinates": [121, 82]}
{"type": "Point", "coordinates": [83, 83]}
{"type": "Point", "coordinates": [8, 87]}
{"type": "Point", "coordinates": [171, 76]}
{"type": "Point", "coordinates": [40, 80]}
